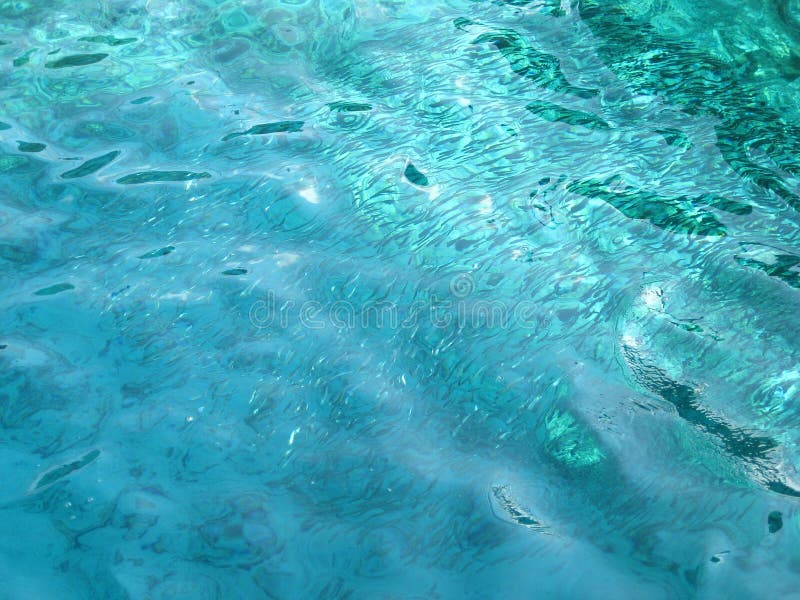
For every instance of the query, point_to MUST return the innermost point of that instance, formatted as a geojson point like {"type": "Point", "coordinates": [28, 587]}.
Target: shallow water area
{"type": "Point", "coordinates": [349, 299]}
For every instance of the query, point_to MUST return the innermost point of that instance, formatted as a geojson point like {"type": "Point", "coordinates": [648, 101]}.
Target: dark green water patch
{"type": "Point", "coordinates": [267, 128]}
{"type": "Point", "coordinates": [75, 60]}
{"type": "Point", "coordinates": [558, 114]}
{"type": "Point", "coordinates": [780, 487]}
{"type": "Point", "coordinates": [54, 289]}
{"type": "Point", "coordinates": [689, 326]}
{"type": "Point", "coordinates": [774, 521]}
{"type": "Point", "coordinates": [30, 146]}
{"type": "Point", "coordinates": [108, 40]}
{"type": "Point", "coordinates": [23, 59]}
{"type": "Point", "coordinates": [415, 176]}
{"type": "Point", "coordinates": [462, 23]}
{"type": "Point", "coordinates": [732, 92]}
{"type": "Point", "coordinates": [733, 207]}
{"type": "Point", "coordinates": [91, 166]}
{"type": "Point", "coordinates": [539, 67]}
{"type": "Point", "coordinates": [161, 177]}
{"type": "Point", "coordinates": [754, 449]}
{"type": "Point", "coordinates": [158, 253]}
{"type": "Point", "coordinates": [678, 214]}
{"type": "Point", "coordinates": [4, 126]}
{"type": "Point", "coordinates": [781, 266]}
{"type": "Point", "coordinates": [349, 106]}
{"type": "Point", "coordinates": [62, 471]}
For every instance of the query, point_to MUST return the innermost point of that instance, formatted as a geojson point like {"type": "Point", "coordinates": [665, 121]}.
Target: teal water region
{"type": "Point", "coordinates": [379, 299]}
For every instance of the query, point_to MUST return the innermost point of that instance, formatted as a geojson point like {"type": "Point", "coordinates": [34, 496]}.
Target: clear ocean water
{"type": "Point", "coordinates": [398, 299]}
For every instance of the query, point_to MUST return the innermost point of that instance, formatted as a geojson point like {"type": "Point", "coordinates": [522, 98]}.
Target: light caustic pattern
{"type": "Point", "coordinates": [446, 299]}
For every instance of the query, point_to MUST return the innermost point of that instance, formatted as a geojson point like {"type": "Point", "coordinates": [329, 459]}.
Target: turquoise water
{"type": "Point", "coordinates": [381, 299]}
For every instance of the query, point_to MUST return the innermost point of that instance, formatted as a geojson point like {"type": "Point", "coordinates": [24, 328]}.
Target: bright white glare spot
{"type": "Point", "coordinates": [291, 437]}
{"type": "Point", "coordinates": [182, 296]}
{"type": "Point", "coordinates": [630, 341]}
{"type": "Point", "coordinates": [284, 259]}
{"type": "Point", "coordinates": [309, 195]}
{"type": "Point", "coordinates": [652, 298]}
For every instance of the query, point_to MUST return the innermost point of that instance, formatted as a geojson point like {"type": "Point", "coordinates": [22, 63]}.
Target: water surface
{"type": "Point", "coordinates": [446, 299]}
